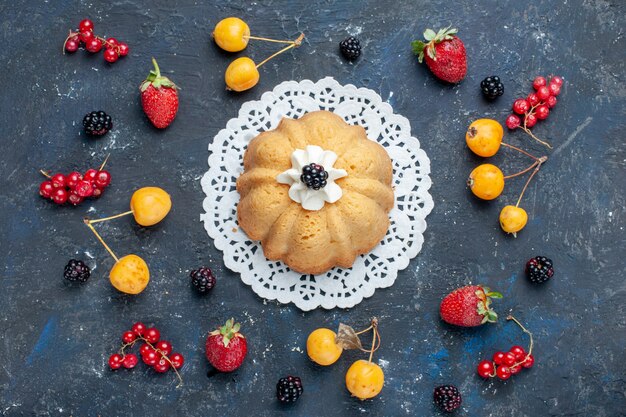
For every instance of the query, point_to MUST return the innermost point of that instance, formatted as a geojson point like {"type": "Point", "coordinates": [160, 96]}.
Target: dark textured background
{"type": "Point", "coordinates": [56, 338]}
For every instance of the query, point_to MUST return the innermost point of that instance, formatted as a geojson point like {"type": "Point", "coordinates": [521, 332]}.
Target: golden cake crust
{"type": "Point", "coordinates": [312, 242]}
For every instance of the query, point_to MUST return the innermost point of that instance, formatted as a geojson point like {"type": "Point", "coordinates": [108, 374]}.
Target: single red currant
{"type": "Point", "coordinates": [97, 192]}
{"type": "Point", "coordinates": [103, 179]}
{"type": "Point", "coordinates": [85, 25]}
{"type": "Point", "coordinates": [74, 199]}
{"type": "Point", "coordinates": [530, 120]}
{"type": "Point", "coordinates": [543, 93]}
{"type": "Point", "coordinates": [521, 106]}
{"type": "Point", "coordinates": [60, 195]}
{"type": "Point", "coordinates": [529, 362]}
{"type": "Point", "coordinates": [84, 188]}
{"type": "Point", "coordinates": [72, 179]}
{"type": "Point", "coordinates": [130, 361]}
{"type": "Point", "coordinates": [115, 361]}
{"type": "Point", "coordinates": [111, 43]}
{"type": "Point", "coordinates": [551, 101]}
{"type": "Point", "coordinates": [503, 372]}
{"type": "Point", "coordinates": [152, 335]}
{"type": "Point", "coordinates": [72, 45]}
{"type": "Point", "coordinates": [139, 328]}
{"type": "Point", "coordinates": [515, 369]}
{"type": "Point", "coordinates": [509, 359]}
{"type": "Point", "coordinates": [150, 358]}
{"type": "Point", "coordinates": [75, 37]}
{"type": "Point", "coordinates": [162, 366]}
{"type": "Point", "coordinates": [144, 349]}
{"type": "Point", "coordinates": [164, 346]}
{"type": "Point", "coordinates": [129, 337]}
{"type": "Point", "coordinates": [86, 36]}
{"type": "Point", "coordinates": [58, 181]}
{"type": "Point", "coordinates": [513, 121]}
{"type": "Point", "coordinates": [539, 82]}
{"type": "Point", "coordinates": [532, 99]}
{"type": "Point", "coordinates": [555, 89]}
{"type": "Point", "coordinates": [90, 175]}
{"type": "Point", "coordinates": [110, 56]}
{"type": "Point", "coordinates": [46, 189]}
{"type": "Point", "coordinates": [485, 369]}
{"type": "Point", "coordinates": [177, 360]}
{"type": "Point", "coordinates": [123, 49]}
{"type": "Point", "coordinates": [498, 358]}
{"type": "Point", "coordinates": [94, 45]}
{"type": "Point", "coordinates": [518, 352]}
{"type": "Point", "coordinates": [542, 112]}
{"type": "Point", "coordinates": [556, 80]}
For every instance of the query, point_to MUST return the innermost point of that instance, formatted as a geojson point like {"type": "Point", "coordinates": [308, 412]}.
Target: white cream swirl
{"type": "Point", "coordinates": [309, 198]}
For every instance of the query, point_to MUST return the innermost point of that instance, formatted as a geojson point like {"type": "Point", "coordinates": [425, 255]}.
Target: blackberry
{"type": "Point", "coordinates": [539, 269]}
{"type": "Point", "coordinates": [350, 48]}
{"type": "Point", "coordinates": [203, 279]}
{"type": "Point", "coordinates": [492, 87]}
{"type": "Point", "coordinates": [97, 123]}
{"type": "Point", "coordinates": [314, 176]}
{"type": "Point", "coordinates": [76, 271]}
{"type": "Point", "coordinates": [447, 397]}
{"type": "Point", "coordinates": [289, 389]}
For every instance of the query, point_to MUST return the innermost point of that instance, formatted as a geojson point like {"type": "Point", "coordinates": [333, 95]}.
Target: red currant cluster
{"type": "Point", "coordinates": [536, 106]}
{"type": "Point", "coordinates": [503, 365]}
{"type": "Point", "coordinates": [113, 49]}
{"type": "Point", "coordinates": [154, 352]}
{"type": "Point", "coordinates": [75, 187]}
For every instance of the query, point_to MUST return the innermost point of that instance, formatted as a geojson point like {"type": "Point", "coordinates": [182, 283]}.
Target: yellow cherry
{"type": "Point", "coordinates": [231, 34]}
{"type": "Point", "coordinates": [486, 181]}
{"type": "Point", "coordinates": [365, 379]}
{"type": "Point", "coordinates": [130, 274]}
{"type": "Point", "coordinates": [322, 348]}
{"type": "Point", "coordinates": [513, 219]}
{"type": "Point", "coordinates": [150, 205]}
{"type": "Point", "coordinates": [242, 74]}
{"type": "Point", "coordinates": [484, 137]}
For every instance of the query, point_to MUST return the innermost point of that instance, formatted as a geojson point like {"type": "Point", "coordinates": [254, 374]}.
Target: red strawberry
{"type": "Point", "coordinates": [469, 306]}
{"type": "Point", "coordinates": [159, 98]}
{"type": "Point", "coordinates": [226, 347]}
{"type": "Point", "coordinates": [444, 54]}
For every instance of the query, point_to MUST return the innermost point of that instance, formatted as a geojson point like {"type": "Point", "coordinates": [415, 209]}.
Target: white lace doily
{"type": "Point", "coordinates": [338, 287]}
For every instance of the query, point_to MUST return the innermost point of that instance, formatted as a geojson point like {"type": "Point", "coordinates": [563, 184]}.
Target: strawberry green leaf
{"type": "Point", "coordinates": [429, 34]}
{"type": "Point", "coordinates": [494, 294]}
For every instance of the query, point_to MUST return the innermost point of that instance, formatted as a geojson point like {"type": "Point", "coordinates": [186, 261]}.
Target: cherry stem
{"type": "Point", "coordinates": [104, 162]}
{"type": "Point", "coordinates": [87, 222]}
{"type": "Point", "coordinates": [539, 163]}
{"type": "Point", "coordinates": [522, 172]}
{"type": "Point", "coordinates": [163, 355]}
{"type": "Point", "coordinates": [530, 347]}
{"type": "Point", "coordinates": [527, 130]}
{"type": "Point", "coordinates": [104, 219]}
{"type": "Point", "coordinates": [295, 44]}
{"type": "Point", "coordinates": [520, 150]}
{"type": "Point", "coordinates": [267, 39]}
{"type": "Point", "coordinates": [374, 336]}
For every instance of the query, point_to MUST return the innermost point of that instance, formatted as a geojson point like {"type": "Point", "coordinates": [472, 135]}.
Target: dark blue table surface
{"type": "Point", "coordinates": [56, 338]}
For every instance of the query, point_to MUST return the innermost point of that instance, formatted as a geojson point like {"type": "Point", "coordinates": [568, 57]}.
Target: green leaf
{"type": "Point", "coordinates": [418, 49]}
{"type": "Point", "coordinates": [431, 52]}
{"type": "Point", "coordinates": [429, 34]}
{"type": "Point", "coordinates": [494, 294]}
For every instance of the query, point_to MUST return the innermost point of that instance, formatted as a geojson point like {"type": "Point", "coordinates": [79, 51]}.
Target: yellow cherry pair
{"type": "Point", "coordinates": [364, 378]}
{"type": "Point", "coordinates": [233, 35]}
{"type": "Point", "coordinates": [148, 205]}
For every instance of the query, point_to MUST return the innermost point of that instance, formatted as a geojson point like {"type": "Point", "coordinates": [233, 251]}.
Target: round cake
{"type": "Point", "coordinates": [316, 192]}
